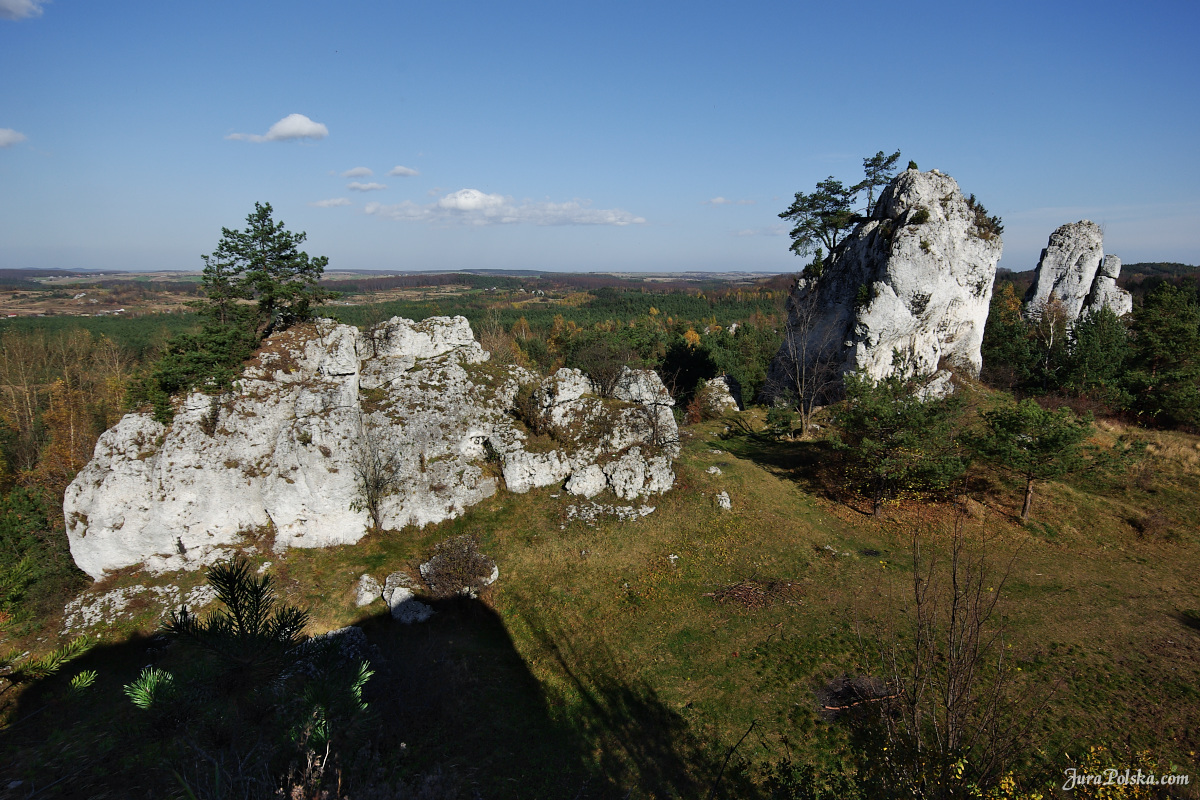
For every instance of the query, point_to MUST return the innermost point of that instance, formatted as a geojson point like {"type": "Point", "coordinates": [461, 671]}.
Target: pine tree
{"type": "Point", "coordinates": [1034, 443]}
{"type": "Point", "coordinates": [897, 441]}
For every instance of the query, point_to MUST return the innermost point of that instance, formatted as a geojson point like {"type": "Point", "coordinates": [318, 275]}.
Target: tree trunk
{"type": "Point", "coordinates": [1028, 505]}
{"type": "Point", "coordinates": [877, 506]}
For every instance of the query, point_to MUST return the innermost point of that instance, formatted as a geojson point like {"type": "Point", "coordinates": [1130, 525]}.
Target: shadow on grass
{"type": "Point", "coordinates": [638, 741]}
{"type": "Point", "coordinates": [1189, 620]}
{"type": "Point", "coordinates": [449, 697]}
{"type": "Point", "coordinates": [814, 465]}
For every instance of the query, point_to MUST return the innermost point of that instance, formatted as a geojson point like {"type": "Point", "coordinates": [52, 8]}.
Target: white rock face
{"type": "Point", "coordinates": [277, 457]}
{"type": "Point", "coordinates": [916, 277]}
{"type": "Point", "coordinates": [719, 395]}
{"type": "Point", "coordinates": [1074, 269]}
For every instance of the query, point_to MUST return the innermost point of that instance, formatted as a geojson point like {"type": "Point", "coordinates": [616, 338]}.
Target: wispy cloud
{"type": "Point", "coordinates": [293, 126]}
{"type": "Point", "coordinates": [402, 172]}
{"type": "Point", "coordinates": [770, 230]}
{"type": "Point", "coordinates": [9, 137]}
{"type": "Point", "coordinates": [473, 207]}
{"type": "Point", "coordinates": [332, 202]}
{"type": "Point", "coordinates": [724, 201]}
{"type": "Point", "coordinates": [358, 172]}
{"type": "Point", "coordinates": [355, 186]}
{"type": "Point", "coordinates": [21, 9]}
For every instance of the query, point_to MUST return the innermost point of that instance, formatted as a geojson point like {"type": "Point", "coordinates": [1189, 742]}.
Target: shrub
{"type": "Point", "coordinates": [458, 568]}
{"type": "Point", "coordinates": [528, 408]}
{"type": "Point", "coordinates": [896, 441]}
{"type": "Point", "coordinates": [920, 217]}
{"type": "Point", "coordinates": [863, 296]}
{"type": "Point", "coordinates": [986, 227]}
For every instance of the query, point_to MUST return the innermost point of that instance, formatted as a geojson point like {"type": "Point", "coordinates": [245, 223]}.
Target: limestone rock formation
{"type": "Point", "coordinates": [915, 277]}
{"type": "Point", "coordinates": [719, 395]}
{"type": "Point", "coordinates": [278, 459]}
{"type": "Point", "coordinates": [1074, 269]}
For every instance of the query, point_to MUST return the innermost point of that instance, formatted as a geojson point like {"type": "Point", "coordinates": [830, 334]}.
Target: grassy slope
{"type": "Point", "coordinates": [599, 661]}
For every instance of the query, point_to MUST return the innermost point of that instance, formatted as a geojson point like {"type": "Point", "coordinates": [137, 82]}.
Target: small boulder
{"type": "Point", "coordinates": [723, 501]}
{"type": "Point", "coordinates": [401, 599]}
{"type": "Point", "coordinates": [369, 591]}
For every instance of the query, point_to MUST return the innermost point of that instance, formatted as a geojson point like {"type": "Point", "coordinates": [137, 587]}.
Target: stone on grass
{"type": "Point", "coordinates": [369, 591]}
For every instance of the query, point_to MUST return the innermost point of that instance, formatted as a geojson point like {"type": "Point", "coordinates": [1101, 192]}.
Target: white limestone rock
{"type": "Point", "coordinates": [723, 501]}
{"type": "Point", "coordinates": [632, 475]}
{"type": "Point", "coordinates": [276, 457]}
{"type": "Point", "coordinates": [720, 395]}
{"type": "Point", "coordinates": [89, 611]}
{"type": "Point", "coordinates": [915, 277]}
{"type": "Point", "coordinates": [400, 596]}
{"type": "Point", "coordinates": [368, 591]}
{"type": "Point", "coordinates": [587, 482]}
{"type": "Point", "coordinates": [1074, 270]}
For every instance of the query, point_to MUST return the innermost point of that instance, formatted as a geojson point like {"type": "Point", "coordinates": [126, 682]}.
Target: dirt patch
{"type": "Point", "coordinates": [757, 594]}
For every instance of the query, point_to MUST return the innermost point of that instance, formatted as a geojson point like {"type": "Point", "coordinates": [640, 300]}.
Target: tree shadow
{"type": "Point", "coordinates": [451, 697]}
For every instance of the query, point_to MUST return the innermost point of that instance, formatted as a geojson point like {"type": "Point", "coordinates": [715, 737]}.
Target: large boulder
{"type": "Point", "coordinates": [278, 460]}
{"type": "Point", "coordinates": [916, 277]}
{"type": "Point", "coordinates": [1074, 271]}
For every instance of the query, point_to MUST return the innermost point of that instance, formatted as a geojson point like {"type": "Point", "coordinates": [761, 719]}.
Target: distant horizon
{"type": "Point", "coordinates": [626, 137]}
{"type": "Point", "coordinates": [519, 272]}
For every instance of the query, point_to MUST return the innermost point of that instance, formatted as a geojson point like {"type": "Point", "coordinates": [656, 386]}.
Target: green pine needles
{"type": "Point", "coordinates": [896, 442]}
{"type": "Point", "coordinates": [243, 685]}
{"type": "Point", "coordinates": [257, 281]}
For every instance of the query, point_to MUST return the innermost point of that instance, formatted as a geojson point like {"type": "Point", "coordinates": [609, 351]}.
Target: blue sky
{"type": "Point", "coordinates": [578, 136]}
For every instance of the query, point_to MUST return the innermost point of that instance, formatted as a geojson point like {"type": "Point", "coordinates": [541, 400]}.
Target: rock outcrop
{"type": "Point", "coordinates": [1074, 270]}
{"type": "Point", "coordinates": [279, 458]}
{"type": "Point", "coordinates": [719, 395]}
{"type": "Point", "coordinates": [915, 277]}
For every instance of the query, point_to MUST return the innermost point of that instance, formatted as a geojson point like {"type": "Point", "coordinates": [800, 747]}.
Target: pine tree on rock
{"type": "Point", "coordinates": [264, 262]}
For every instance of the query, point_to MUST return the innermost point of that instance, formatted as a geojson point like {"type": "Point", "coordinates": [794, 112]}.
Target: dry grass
{"type": "Point", "coordinates": [633, 654]}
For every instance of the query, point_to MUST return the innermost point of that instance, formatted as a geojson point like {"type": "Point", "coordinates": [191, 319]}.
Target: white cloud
{"type": "Point", "coordinates": [9, 137]}
{"type": "Point", "coordinates": [355, 186]}
{"type": "Point", "coordinates": [358, 172]}
{"type": "Point", "coordinates": [473, 207]}
{"type": "Point", "coordinates": [20, 9]}
{"type": "Point", "coordinates": [402, 172]}
{"type": "Point", "coordinates": [293, 126]}
{"type": "Point", "coordinates": [332, 202]}
{"type": "Point", "coordinates": [723, 201]}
